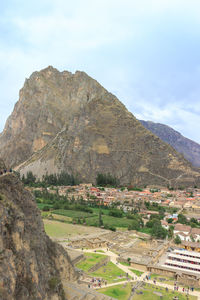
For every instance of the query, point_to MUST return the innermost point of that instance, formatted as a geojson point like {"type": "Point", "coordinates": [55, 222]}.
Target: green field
{"type": "Point", "coordinates": [120, 292]}
{"type": "Point", "coordinates": [41, 205]}
{"type": "Point", "coordinates": [110, 272]}
{"type": "Point", "coordinates": [72, 213]}
{"type": "Point", "coordinates": [108, 220]}
{"type": "Point", "coordinates": [150, 292]}
{"type": "Point", "coordinates": [91, 260]}
{"type": "Point", "coordinates": [92, 219]}
{"type": "Point", "coordinates": [103, 210]}
{"type": "Point", "coordinates": [56, 228]}
{"type": "Point", "coordinates": [136, 272]}
{"type": "Point", "coordinates": [163, 279]}
{"type": "Point", "coordinates": [124, 263]}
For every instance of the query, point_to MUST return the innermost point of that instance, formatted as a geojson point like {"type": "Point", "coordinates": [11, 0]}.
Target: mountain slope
{"type": "Point", "coordinates": [46, 103]}
{"type": "Point", "coordinates": [69, 122]}
{"type": "Point", "coordinates": [30, 261]}
{"type": "Point", "coordinates": [32, 266]}
{"type": "Point", "coordinates": [187, 147]}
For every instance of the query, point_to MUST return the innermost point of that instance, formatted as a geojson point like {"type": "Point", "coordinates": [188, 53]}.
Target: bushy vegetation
{"type": "Point", "coordinates": [136, 222]}
{"type": "Point", "coordinates": [192, 222]}
{"type": "Point", "coordinates": [53, 179]}
{"type": "Point", "coordinates": [107, 180]}
{"type": "Point", "coordinates": [91, 213]}
{"type": "Point", "coordinates": [134, 188]}
{"type": "Point", "coordinates": [157, 230]}
{"type": "Point", "coordinates": [116, 213]}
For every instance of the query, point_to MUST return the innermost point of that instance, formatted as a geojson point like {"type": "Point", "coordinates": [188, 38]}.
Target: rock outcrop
{"type": "Point", "coordinates": [69, 122]}
{"type": "Point", "coordinates": [189, 148]}
{"type": "Point", "coordinates": [32, 267]}
{"type": "Point", "coordinates": [2, 165]}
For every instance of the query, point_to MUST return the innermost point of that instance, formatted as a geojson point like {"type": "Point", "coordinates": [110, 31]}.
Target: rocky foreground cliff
{"type": "Point", "coordinates": [189, 148]}
{"type": "Point", "coordinates": [32, 267]}
{"type": "Point", "coordinates": [69, 122]}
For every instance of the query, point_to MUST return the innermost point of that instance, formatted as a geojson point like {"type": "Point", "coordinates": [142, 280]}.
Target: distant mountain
{"type": "Point", "coordinates": [69, 122]}
{"type": "Point", "coordinates": [189, 148]}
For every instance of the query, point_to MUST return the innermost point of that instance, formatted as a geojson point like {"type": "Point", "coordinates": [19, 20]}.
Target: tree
{"type": "Point", "coordinates": [154, 222]}
{"type": "Point", "coordinates": [116, 213]}
{"type": "Point", "coordinates": [46, 208]}
{"type": "Point", "coordinates": [192, 238]}
{"type": "Point", "coordinates": [182, 219]}
{"type": "Point", "coordinates": [159, 232]}
{"type": "Point", "coordinates": [100, 218]}
{"type": "Point", "coordinates": [170, 220]}
{"type": "Point", "coordinates": [30, 179]}
{"type": "Point", "coordinates": [171, 232]}
{"type": "Point", "coordinates": [106, 179]}
{"type": "Point", "coordinates": [135, 225]}
{"type": "Point", "coordinates": [177, 240]}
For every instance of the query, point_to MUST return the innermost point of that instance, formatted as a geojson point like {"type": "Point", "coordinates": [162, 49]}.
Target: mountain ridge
{"type": "Point", "coordinates": [186, 146]}
{"type": "Point", "coordinates": [69, 122]}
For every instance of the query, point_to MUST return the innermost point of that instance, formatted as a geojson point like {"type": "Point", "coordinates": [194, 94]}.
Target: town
{"type": "Point", "coordinates": [134, 236]}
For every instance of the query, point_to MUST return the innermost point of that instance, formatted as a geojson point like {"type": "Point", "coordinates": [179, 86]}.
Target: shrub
{"type": "Point", "coordinates": [46, 208]}
{"type": "Point", "coordinates": [116, 213]}
{"type": "Point", "coordinates": [106, 180]}
{"type": "Point", "coordinates": [177, 240]}
{"type": "Point", "coordinates": [53, 283]}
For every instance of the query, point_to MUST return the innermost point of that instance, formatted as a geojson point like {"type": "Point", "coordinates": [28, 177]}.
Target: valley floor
{"type": "Point", "coordinates": [114, 279]}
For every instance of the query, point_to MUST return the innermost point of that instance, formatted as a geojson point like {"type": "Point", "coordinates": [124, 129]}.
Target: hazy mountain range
{"type": "Point", "coordinates": [189, 148]}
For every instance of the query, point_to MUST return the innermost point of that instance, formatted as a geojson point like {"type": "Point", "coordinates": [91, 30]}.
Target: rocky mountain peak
{"type": "Point", "coordinates": [46, 103]}
{"type": "Point", "coordinates": [66, 121]}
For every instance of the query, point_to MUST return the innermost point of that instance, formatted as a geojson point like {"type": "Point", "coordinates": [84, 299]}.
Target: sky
{"type": "Point", "coordinates": [146, 52]}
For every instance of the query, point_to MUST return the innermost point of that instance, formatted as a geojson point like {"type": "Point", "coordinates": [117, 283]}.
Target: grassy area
{"type": "Point", "coordinates": [110, 272]}
{"type": "Point", "coordinates": [61, 218]}
{"type": "Point", "coordinates": [146, 230]}
{"type": "Point", "coordinates": [41, 205]}
{"type": "Point", "coordinates": [163, 279]}
{"type": "Point", "coordinates": [136, 272]}
{"type": "Point", "coordinates": [58, 229]}
{"type": "Point", "coordinates": [103, 210]}
{"type": "Point", "coordinates": [108, 220]}
{"type": "Point", "coordinates": [120, 292]}
{"type": "Point", "coordinates": [91, 260]}
{"type": "Point", "coordinates": [101, 251]}
{"type": "Point", "coordinates": [124, 263]}
{"type": "Point", "coordinates": [150, 292]}
{"type": "Point", "coordinates": [72, 213]}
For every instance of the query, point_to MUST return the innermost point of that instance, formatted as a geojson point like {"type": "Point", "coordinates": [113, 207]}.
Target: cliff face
{"type": "Point", "coordinates": [46, 103]}
{"type": "Point", "coordinates": [187, 147]}
{"type": "Point", "coordinates": [31, 265]}
{"type": "Point", "coordinates": [2, 165]}
{"type": "Point", "coordinates": [70, 122]}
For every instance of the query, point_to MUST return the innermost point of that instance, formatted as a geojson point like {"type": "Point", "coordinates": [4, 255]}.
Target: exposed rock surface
{"type": "Point", "coordinates": [189, 148]}
{"type": "Point", "coordinates": [30, 263]}
{"type": "Point", "coordinates": [75, 125]}
{"type": "Point", "coordinates": [2, 165]}
{"type": "Point", "coordinates": [32, 267]}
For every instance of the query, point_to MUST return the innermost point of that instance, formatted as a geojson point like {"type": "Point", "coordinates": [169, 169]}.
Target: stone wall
{"type": "Point", "coordinates": [100, 264]}
{"type": "Point", "coordinates": [139, 267]}
{"type": "Point", "coordinates": [183, 278]}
